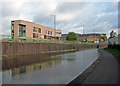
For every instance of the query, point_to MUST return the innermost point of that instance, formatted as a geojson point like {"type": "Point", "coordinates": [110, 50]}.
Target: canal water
{"type": "Point", "coordinates": [46, 68]}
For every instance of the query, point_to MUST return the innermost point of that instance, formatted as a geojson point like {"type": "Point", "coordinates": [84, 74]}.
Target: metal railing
{"type": "Point", "coordinates": [36, 40]}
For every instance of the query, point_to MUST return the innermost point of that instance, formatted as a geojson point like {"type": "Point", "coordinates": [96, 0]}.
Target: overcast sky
{"type": "Point", "coordinates": [101, 17]}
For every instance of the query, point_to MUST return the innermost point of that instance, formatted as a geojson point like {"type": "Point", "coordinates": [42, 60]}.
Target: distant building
{"type": "Point", "coordinates": [95, 37]}
{"type": "Point", "coordinates": [115, 40]}
{"type": "Point", "coordinates": [113, 34]}
{"type": "Point", "coordinates": [25, 29]}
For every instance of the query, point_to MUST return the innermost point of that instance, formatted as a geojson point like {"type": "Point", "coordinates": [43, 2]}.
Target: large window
{"type": "Point", "coordinates": [22, 30]}
{"type": "Point", "coordinates": [12, 31]}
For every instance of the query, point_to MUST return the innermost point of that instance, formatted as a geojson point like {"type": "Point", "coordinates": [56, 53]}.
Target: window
{"type": "Point", "coordinates": [12, 31]}
{"type": "Point", "coordinates": [33, 28]}
{"type": "Point", "coordinates": [45, 37]}
{"type": "Point", "coordinates": [36, 29]}
{"type": "Point", "coordinates": [58, 32]}
{"type": "Point", "coordinates": [24, 34]}
{"type": "Point", "coordinates": [12, 26]}
{"type": "Point", "coordinates": [39, 30]}
{"type": "Point", "coordinates": [33, 35]}
{"type": "Point", "coordinates": [51, 32]}
{"type": "Point", "coordinates": [37, 36]}
{"type": "Point", "coordinates": [48, 32]}
{"type": "Point", "coordinates": [22, 30]}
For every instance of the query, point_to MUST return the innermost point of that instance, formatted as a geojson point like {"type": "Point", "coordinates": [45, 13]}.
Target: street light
{"type": "Point", "coordinates": [54, 18]}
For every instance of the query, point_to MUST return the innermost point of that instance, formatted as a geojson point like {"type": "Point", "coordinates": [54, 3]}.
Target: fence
{"type": "Point", "coordinates": [35, 40]}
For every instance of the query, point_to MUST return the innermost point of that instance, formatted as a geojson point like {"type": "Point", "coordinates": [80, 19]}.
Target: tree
{"type": "Point", "coordinates": [71, 36]}
{"type": "Point", "coordinates": [104, 37]}
{"type": "Point", "coordinates": [113, 36]}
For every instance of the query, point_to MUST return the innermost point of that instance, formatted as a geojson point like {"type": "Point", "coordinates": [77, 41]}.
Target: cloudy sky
{"type": "Point", "coordinates": [101, 17]}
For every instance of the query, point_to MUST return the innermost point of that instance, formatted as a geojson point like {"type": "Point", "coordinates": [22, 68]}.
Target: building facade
{"type": "Point", "coordinates": [24, 29]}
{"type": "Point", "coordinates": [95, 37]}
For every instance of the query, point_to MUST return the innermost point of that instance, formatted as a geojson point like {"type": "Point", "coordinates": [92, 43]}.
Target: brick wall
{"type": "Point", "coordinates": [11, 48]}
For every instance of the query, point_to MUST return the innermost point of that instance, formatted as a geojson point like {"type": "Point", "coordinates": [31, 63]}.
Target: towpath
{"type": "Point", "coordinates": [106, 72]}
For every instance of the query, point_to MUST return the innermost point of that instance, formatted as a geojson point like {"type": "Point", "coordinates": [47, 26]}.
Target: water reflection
{"type": "Point", "coordinates": [57, 68]}
{"type": "Point", "coordinates": [28, 63]}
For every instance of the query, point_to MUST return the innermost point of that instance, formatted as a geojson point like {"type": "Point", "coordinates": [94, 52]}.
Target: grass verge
{"type": "Point", "coordinates": [115, 52]}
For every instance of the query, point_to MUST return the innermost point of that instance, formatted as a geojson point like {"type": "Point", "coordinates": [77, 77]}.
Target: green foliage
{"type": "Point", "coordinates": [104, 37]}
{"type": "Point", "coordinates": [118, 34]}
{"type": "Point", "coordinates": [112, 37]}
{"type": "Point", "coordinates": [71, 36]}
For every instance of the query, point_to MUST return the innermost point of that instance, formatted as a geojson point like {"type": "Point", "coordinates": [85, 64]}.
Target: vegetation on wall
{"type": "Point", "coordinates": [71, 36]}
{"type": "Point", "coordinates": [104, 37]}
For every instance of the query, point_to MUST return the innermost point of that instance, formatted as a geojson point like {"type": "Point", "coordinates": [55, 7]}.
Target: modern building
{"type": "Point", "coordinates": [25, 29]}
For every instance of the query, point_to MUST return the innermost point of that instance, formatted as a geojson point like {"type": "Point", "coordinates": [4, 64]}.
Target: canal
{"type": "Point", "coordinates": [60, 68]}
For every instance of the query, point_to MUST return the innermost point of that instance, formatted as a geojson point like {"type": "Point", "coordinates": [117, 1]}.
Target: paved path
{"type": "Point", "coordinates": [106, 72]}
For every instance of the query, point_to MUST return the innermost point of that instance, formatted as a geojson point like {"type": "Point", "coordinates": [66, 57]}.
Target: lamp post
{"type": "Point", "coordinates": [54, 18]}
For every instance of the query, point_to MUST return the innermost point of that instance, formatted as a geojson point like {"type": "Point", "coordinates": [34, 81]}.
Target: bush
{"type": "Point", "coordinates": [114, 46]}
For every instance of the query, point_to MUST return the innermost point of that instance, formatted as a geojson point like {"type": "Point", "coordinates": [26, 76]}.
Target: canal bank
{"type": "Point", "coordinates": [105, 70]}
{"type": "Point", "coordinates": [19, 48]}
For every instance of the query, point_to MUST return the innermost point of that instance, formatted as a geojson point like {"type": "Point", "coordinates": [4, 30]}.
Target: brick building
{"type": "Point", "coordinates": [25, 29]}
{"type": "Point", "coordinates": [96, 37]}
